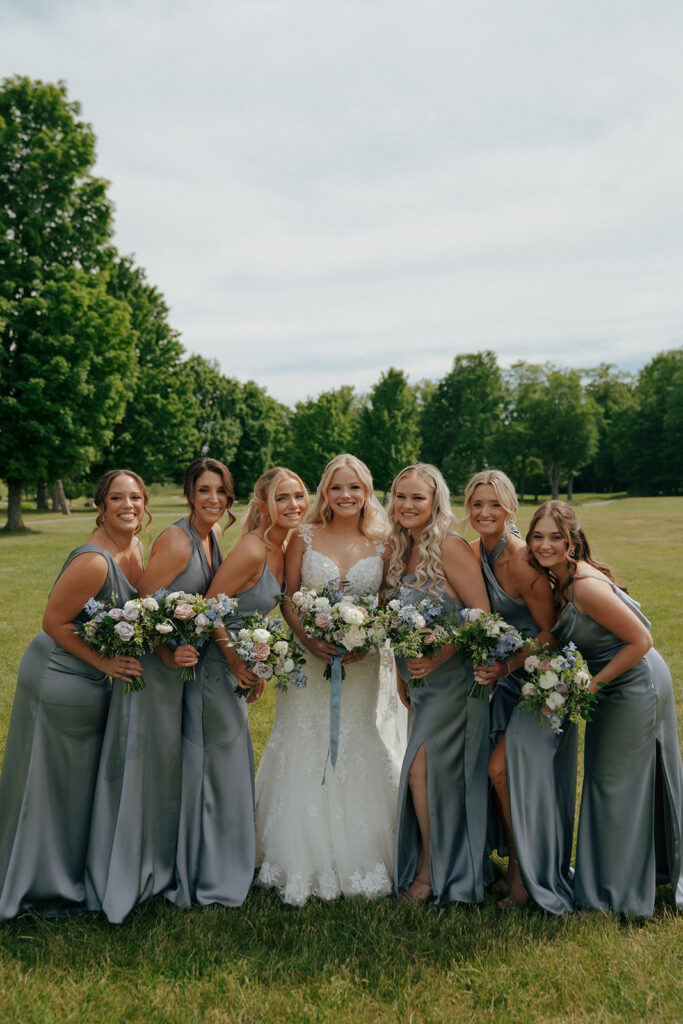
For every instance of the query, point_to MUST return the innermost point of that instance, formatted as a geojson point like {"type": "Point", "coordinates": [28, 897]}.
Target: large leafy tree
{"type": "Point", "coordinates": [321, 428]}
{"type": "Point", "coordinates": [218, 406]}
{"type": "Point", "coordinates": [66, 349]}
{"type": "Point", "coordinates": [389, 433]}
{"type": "Point", "coordinates": [157, 435]}
{"type": "Point", "coordinates": [612, 392]}
{"type": "Point", "coordinates": [460, 419]}
{"type": "Point", "coordinates": [263, 422]}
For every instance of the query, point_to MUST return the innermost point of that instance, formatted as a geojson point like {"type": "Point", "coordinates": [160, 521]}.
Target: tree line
{"type": "Point", "coordinates": [93, 375]}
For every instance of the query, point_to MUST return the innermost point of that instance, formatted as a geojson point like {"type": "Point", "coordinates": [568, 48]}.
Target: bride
{"type": "Point", "coordinates": [322, 830]}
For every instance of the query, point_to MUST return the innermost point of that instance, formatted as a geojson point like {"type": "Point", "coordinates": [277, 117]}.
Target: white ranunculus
{"type": "Point", "coordinates": [528, 689]}
{"type": "Point", "coordinates": [321, 604]}
{"type": "Point", "coordinates": [548, 680]}
{"type": "Point", "coordinates": [244, 634]}
{"type": "Point", "coordinates": [556, 664]}
{"type": "Point", "coordinates": [472, 614]}
{"type": "Point", "coordinates": [555, 700]}
{"type": "Point", "coordinates": [297, 597]}
{"type": "Point", "coordinates": [149, 604]}
{"type": "Point", "coordinates": [493, 629]}
{"type": "Point", "coordinates": [394, 605]}
{"type": "Point", "coordinates": [583, 678]}
{"type": "Point", "coordinates": [260, 636]}
{"type": "Point", "coordinates": [531, 663]}
{"type": "Point", "coordinates": [288, 665]}
{"type": "Point", "coordinates": [164, 627]}
{"type": "Point", "coordinates": [175, 595]}
{"type": "Point", "coordinates": [281, 647]}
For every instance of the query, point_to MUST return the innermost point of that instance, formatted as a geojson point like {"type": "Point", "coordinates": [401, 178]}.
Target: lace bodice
{"type": "Point", "coordinates": [364, 577]}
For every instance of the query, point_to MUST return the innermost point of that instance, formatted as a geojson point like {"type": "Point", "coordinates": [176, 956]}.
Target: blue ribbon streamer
{"type": "Point", "coordinates": [336, 675]}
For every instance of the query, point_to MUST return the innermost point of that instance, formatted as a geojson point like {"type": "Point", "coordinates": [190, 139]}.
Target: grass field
{"type": "Point", "coordinates": [348, 960]}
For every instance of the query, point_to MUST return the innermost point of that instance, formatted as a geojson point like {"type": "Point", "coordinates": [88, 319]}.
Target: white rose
{"type": "Point", "coordinates": [583, 678]}
{"type": "Point", "coordinates": [244, 634]}
{"type": "Point", "coordinates": [175, 595]}
{"type": "Point", "coordinates": [131, 614]}
{"type": "Point", "coordinates": [288, 665]}
{"type": "Point", "coordinates": [297, 597]}
{"type": "Point", "coordinates": [116, 614]}
{"type": "Point", "coordinates": [321, 604]}
{"type": "Point", "coordinates": [556, 664]}
{"type": "Point", "coordinates": [548, 680]}
{"type": "Point", "coordinates": [394, 605]}
{"type": "Point", "coordinates": [261, 636]}
{"type": "Point", "coordinates": [555, 700]}
{"type": "Point", "coordinates": [164, 627]}
{"type": "Point", "coordinates": [352, 615]}
{"type": "Point", "coordinates": [531, 663]}
{"type": "Point", "coordinates": [528, 689]}
{"type": "Point", "coordinates": [355, 637]}
{"type": "Point", "coordinates": [418, 621]}
{"type": "Point", "coordinates": [472, 614]}
{"type": "Point", "coordinates": [493, 629]}
{"type": "Point", "coordinates": [281, 647]}
{"type": "Point", "coordinates": [149, 604]}
{"type": "Point", "coordinates": [201, 621]}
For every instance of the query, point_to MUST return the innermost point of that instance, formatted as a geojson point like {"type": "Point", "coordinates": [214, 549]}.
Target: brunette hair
{"type": "Point", "coordinates": [371, 521]}
{"type": "Point", "coordinates": [578, 549]}
{"type": "Point", "coordinates": [207, 465]}
{"type": "Point", "coordinates": [429, 573]}
{"type": "Point", "coordinates": [504, 490]}
{"type": "Point", "coordinates": [103, 486]}
{"type": "Point", "coordinates": [264, 494]}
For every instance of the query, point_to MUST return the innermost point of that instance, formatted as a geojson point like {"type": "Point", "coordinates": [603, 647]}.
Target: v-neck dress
{"type": "Point", "coordinates": [50, 767]}
{"type": "Point", "coordinates": [215, 855]}
{"type": "Point", "coordinates": [137, 799]}
{"type": "Point", "coordinates": [541, 769]}
{"type": "Point", "coordinates": [631, 817]}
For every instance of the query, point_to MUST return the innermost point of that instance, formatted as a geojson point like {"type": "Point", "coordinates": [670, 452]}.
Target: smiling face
{"type": "Point", "coordinates": [413, 502]}
{"type": "Point", "coordinates": [291, 501]}
{"type": "Point", "coordinates": [345, 494]}
{"type": "Point", "coordinates": [487, 515]}
{"type": "Point", "coordinates": [124, 505]}
{"type": "Point", "coordinates": [548, 544]}
{"type": "Point", "coordinates": [210, 500]}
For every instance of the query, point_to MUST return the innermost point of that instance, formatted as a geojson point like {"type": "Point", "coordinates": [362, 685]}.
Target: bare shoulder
{"type": "Point", "coordinates": [171, 541]}
{"type": "Point", "coordinates": [456, 549]}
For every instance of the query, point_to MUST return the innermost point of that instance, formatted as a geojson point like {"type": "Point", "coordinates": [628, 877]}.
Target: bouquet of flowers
{"type": "Point", "coordinates": [189, 619]}
{"type": "Point", "coordinates": [485, 637]}
{"type": "Point", "coordinates": [415, 629]}
{"type": "Point", "coordinates": [270, 651]}
{"type": "Point", "coordinates": [349, 621]}
{"type": "Point", "coordinates": [114, 631]}
{"type": "Point", "coordinates": [557, 686]}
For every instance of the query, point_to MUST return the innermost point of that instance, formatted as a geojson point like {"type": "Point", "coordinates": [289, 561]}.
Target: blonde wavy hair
{"type": "Point", "coordinates": [429, 573]}
{"type": "Point", "coordinates": [504, 491]}
{"type": "Point", "coordinates": [264, 495]}
{"type": "Point", "coordinates": [371, 523]}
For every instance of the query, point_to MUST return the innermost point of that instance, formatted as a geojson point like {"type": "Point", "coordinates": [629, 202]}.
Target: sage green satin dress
{"type": "Point", "coordinates": [51, 761]}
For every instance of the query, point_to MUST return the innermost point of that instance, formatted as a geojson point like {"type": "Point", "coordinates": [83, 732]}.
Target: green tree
{"type": "Point", "coordinates": [217, 403]}
{"type": "Point", "coordinates": [460, 419]}
{"type": "Point", "coordinates": [562, 420]}
{"type": "Point", "coordinates": [612, 392]}
{"type": "Point", "coordinates": [263, 422]}
{"type": "Point", "coordinates": [389, 431]}
{"type": "Point", "coordinates": [157, 435]}
{"type": "Point", "coordinates": [62, 386]}
{"type": "Point", "coordinates": [321, 428]}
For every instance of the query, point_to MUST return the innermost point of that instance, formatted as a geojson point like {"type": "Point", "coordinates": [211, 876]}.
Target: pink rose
{"type": "Point", "coordinates": [429, 638]}
{"type": "Point", "coordinates": [260, 652]}
{"type": "Point", "coordinates": [323, 621]}
{"type": "Point", "coordinates": [183, 612]}
{"type": "Point", "coordinates": [544, 665]}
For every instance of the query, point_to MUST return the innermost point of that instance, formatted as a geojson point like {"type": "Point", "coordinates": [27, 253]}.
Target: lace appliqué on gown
{"type": "Point", "coordinates": [333, 839]}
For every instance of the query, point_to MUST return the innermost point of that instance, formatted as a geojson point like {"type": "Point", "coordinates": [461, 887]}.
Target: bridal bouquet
{"type": "Point", "coordinates": [485, 638]}
{"type": "Point", "coordinates": [415, 629]}
{"type": "Point", "coordinates": [190, 619]}
{"type": "Point", "coordinates": [271, 652]}
{"type": "Point", "coordinates": [557, 688]}
{"type": "Point", "coordinates": [349, 621]}
{"type": "Point", "coordinates": [114, 631]}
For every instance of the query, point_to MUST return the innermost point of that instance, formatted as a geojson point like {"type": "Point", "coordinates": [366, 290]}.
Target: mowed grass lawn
{"type": "Point", "coordinates": [348, 960]}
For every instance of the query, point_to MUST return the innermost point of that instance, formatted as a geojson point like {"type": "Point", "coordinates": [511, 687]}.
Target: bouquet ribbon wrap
{"type": "Point", "coordinates": [336, 675]}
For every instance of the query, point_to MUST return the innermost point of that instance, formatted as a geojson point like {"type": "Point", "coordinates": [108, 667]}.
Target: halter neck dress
{"type": "Point", "coordinates": [541, 769]}
{"type": "Point", "coordinates": [631, 817]}
{"type": "Point", "coordinates": [134, 830]}
{"type": "Point", "coordinates": [215, 854]}
{"type": "Point", "coordinates": [330, 839]}
{"type": "Point", "coordinates": [453, 729]}
{"type": "Point", "coordinates": [50, 767]}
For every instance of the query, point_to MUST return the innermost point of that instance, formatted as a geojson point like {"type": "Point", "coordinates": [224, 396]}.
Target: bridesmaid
{"type": "Point", "coordinates": [631, 816]}
{"type": "Point", "coordinates": [137, 798]}
{"type": "Point", "coordinates": [59, 714]}
{"type": "Point", "coordinates": [216, 844]}
{"type": "Point", "coordinates": [532, 770]}
{"type": "Point", "coordinates": [441, 827]}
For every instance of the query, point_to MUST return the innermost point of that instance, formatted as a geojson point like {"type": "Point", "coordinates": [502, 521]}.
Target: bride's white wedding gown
{"type": "Point", "coordinates": [333, 838]}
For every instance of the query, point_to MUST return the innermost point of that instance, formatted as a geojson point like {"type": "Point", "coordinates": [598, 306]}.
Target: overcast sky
{"type": "Point", "coordinates": [324, 188]}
